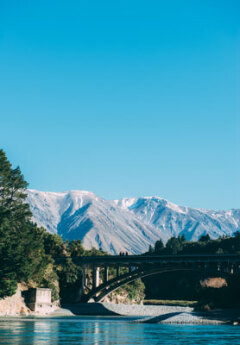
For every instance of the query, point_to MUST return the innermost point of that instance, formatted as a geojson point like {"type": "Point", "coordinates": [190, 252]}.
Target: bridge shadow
{"type": "Point", "coordinates": [160, 318]}
{"type": "Point", "coordinates": [225, 316]}
{"type": "Point", "coordinates": [97, 309]}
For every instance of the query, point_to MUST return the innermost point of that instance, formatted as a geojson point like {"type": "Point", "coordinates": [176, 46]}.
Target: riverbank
{"type": "Point", "coordinates": [15, 305]}
{"type": "Point", "coordinates": [153, 314]}
{"type": "Point", "coordinates": [141, 313]}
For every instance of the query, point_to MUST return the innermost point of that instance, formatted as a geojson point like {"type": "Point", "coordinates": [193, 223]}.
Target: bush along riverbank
{"type": "Point", "coordinates": [177, 303]}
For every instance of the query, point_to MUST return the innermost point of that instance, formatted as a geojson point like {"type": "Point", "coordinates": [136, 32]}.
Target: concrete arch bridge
{"type": "Point", "coordinates": [104, 274]}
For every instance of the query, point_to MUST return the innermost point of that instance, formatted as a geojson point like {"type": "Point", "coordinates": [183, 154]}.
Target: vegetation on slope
{"type": "Point", "coordinates": [27, 251]}
{"type": "Point", "coordinates": [22, 252]}
{"type": "Point", "coordinates": [210, 287]}
{"type": "Point", "coordinates": [175, 303]}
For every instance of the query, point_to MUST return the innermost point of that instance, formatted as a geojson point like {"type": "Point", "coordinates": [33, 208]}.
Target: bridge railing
{"type": "Point", "coordinates": [141, 259]}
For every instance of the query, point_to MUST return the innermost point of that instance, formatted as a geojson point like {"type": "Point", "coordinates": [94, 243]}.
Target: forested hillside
{"type": "Point", "coordinates": [210, 287]}
{"type": "Point", "coordinates": [27, 251]}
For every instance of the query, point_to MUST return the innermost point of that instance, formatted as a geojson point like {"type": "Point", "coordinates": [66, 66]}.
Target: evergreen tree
{"type": "Point", "coordinates": [205, 238]}
{"type": "Point", "coordinates": [22, 252]}
{"type": "Point", "coordinates": [53, 244]}
{"type": "Point", "coordinates": [150, 249]}
{"type": "Point", "coordinates": [175, 245]}
{"type": "Point", "coordinates": [5, 173]}
{"type": "Point", "coordinates": [70, 276]}
{"type": "Point", "coordinates": [159, 246]}
{"type": "Point", "coordinates": [13, 194]}
{"type": "Point", "coordinates": [75, 248]}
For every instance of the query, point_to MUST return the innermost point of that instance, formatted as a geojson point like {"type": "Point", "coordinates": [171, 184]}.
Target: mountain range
{"type": "Point", "coordinates": [128, 224]}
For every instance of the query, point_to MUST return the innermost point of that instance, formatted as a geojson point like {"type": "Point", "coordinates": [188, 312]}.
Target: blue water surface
{"type": "Point", "coordinates": [111, 330]}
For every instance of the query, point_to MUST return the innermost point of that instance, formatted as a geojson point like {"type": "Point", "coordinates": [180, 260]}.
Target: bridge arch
{"type": "Point", "coordinates": [105, 289]}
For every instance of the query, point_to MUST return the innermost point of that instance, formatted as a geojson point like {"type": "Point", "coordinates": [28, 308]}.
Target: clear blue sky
{"type": "Point", "coordinates": [124, 98]}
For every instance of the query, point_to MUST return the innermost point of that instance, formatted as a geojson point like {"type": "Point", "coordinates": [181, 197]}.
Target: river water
{"type": "Point", "coordinates": [111, 330]}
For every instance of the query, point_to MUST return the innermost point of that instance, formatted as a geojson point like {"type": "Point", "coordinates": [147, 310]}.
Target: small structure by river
{"type": "Point", "coordinates": [39, 300]}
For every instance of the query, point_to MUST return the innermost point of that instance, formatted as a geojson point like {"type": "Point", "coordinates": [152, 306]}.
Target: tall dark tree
{"type": "Point", "coordinates": [5, 173]}
{"type": "Point", "coordinates": [22, 252]}
{"type": "Point", "coordinates": [205, 238]}
{"type": "Point", "coordinates": [175, 245]}
{"type": "Point", "coordinates": [159, 246]}
{"type": "Point", "coordinates": [150, 249]}
{"type": "Point", "coordinates": [75, 248]}
{"type": "Point", "coordinates": [13, 191]}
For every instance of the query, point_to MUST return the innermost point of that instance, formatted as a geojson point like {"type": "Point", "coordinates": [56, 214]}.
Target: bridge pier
{"type": "Point", "coordinates": [95, 273]}
{"type": "Point", "coordinates": [84, 278]}
{"type": "Point", "coordinates": [105, 274]}
{"type": "Point", "coordinates": [80, 293]}
{"type": "Point", "coordinates": [235, 268]}
{"type": "Point", "coordinates": [118, 270]}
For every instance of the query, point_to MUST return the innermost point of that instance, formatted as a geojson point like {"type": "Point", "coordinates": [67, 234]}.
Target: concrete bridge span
{"type": "Point", "coordinates": [104, 274]}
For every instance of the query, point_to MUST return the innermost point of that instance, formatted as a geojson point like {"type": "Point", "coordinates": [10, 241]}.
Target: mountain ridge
{"type": "Point", "coordinates": [127, 224]}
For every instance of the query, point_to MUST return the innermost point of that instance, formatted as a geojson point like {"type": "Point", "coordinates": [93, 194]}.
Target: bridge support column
{"type": "Point", "coordinates": [227, 269]}
{"type": "Point", "coordinates": [85, 277]}
{"type": "Point", "coordinates": [118, 270]}
{"type": "Point", "coordinates": [95, 277]}
{"type": "Point", "coordinates": [82, 285]}
{"type": "Point", "coordinates": [105, 273]}
{"type": "Point", "coordinates": [235, 269]}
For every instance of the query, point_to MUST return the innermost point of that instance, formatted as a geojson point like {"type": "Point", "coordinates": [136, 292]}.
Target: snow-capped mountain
{"type": "Point", "coordinates": [129, 224]}
{"type": "Point", "coordinates": [97, 222]}
{"type": "Point", "coordinates": [174, 220]}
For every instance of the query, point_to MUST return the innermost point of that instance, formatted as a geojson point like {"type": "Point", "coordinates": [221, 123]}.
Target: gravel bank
{"type": "Point", "coordinates": [153, 314]}
{"type": "Point", "coordinates": [144, 310]}
{"type": "Point", "coordinates": [120, 309]}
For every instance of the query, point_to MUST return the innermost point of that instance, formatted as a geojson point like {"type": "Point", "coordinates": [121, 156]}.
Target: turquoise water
{"type": "Point", "coordinates": [111, 330]}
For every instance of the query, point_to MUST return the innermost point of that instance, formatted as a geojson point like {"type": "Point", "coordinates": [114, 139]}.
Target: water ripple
{"type": "Point", "coordinates": [111, 331]}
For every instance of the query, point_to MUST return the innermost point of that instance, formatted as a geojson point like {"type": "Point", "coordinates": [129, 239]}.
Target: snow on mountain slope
{"type": "Point", "coordinates": [129, 224]}
{"type": "Point", "coordinates": [45, 207]}
{"type": "Point", "coordinates": [97, 222]}
{"type": "Point", "coordinates": [174, 220]}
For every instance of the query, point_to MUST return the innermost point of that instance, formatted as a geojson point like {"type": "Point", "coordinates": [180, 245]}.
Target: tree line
{"type": "Point", "coordinates": [202, 286]}
{"type": "Point", "coordinates": [205, 245]}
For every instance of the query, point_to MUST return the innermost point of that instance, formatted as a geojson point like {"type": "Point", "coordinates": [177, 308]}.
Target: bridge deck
{"type": "Point", "coordinates": [154, 259]}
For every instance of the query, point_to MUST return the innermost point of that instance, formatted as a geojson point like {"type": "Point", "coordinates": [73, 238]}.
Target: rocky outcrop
{"type": "Point", "coordinates": [14, 305]}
